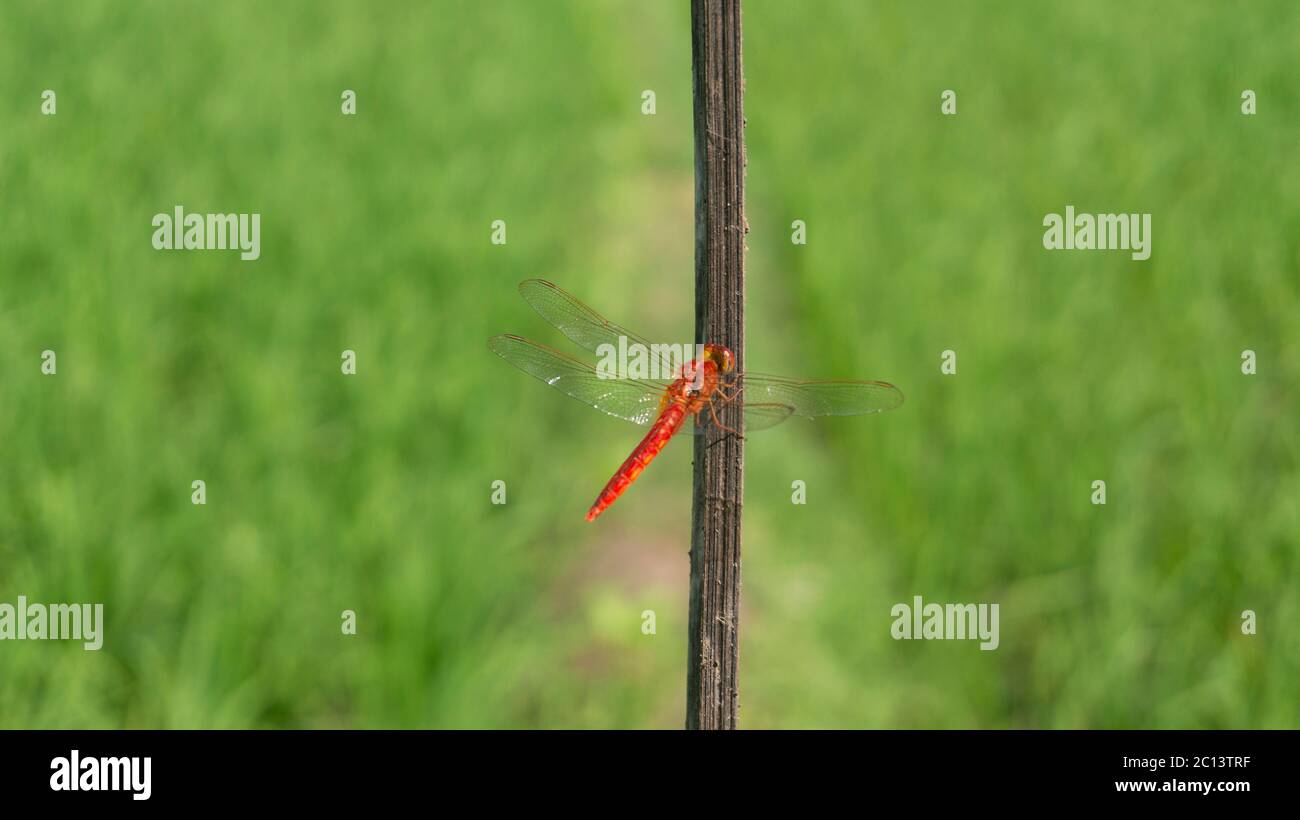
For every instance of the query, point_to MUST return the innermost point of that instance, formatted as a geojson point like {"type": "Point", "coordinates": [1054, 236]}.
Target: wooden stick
{"type": "Point", "coordinates": [720, 228]}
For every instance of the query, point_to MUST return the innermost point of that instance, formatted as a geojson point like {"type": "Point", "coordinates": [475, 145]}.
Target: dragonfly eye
{"type": "Point", "coordinates": [722, 357]}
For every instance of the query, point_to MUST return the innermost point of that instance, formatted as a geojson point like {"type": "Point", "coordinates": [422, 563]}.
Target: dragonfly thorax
{"type": "Point", "coordinates": [701, 375]}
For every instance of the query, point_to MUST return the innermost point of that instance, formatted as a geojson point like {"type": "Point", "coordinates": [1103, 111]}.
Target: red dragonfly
{"type": "Point", "coordinates": [696, 389]}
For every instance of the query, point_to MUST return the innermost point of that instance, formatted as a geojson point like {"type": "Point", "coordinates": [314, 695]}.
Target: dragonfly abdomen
{"type": "Point", "coordinates": [664, 428]}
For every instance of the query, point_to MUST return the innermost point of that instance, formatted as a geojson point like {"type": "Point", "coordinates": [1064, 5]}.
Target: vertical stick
{"type": "Point", "coordinates": [720, 229]}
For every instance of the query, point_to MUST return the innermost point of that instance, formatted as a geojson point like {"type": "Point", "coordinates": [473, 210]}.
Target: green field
{"type": "Point", "coordinates": [372, 492]}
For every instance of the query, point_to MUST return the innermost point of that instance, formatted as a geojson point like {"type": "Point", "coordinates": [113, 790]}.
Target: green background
{"type": "Point", "coordinates": [372, 492]}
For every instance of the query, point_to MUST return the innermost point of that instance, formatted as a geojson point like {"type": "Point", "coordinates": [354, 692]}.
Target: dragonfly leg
{"type": "Point", "coordinates": [713, 413]}
{"type": "Point", "coordinates": [715, 441]}
{"type": "Point", "coordinates": [730, 397]}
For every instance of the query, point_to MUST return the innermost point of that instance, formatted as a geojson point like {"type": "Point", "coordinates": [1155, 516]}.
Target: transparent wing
{"type": "Point", "coordinates": [758, 416]}
{"type": "Point", "coordinates": [768, 399]}
{"type": "Point", "coordinates": [584, 326]}
{"type": "Point", "coordinates": [819, 398]}
{"type": "Point", "coordinates": [633, 400]}
{"type": "Point", "coordinates": [762, 415]}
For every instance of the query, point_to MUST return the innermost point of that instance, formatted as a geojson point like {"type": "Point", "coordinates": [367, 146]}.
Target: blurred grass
{"type": "Point", "coordinates": [371, 492]}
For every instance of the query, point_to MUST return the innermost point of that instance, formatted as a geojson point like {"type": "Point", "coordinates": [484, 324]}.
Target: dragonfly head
{"type": "Point", "coordinates": [722, 357]}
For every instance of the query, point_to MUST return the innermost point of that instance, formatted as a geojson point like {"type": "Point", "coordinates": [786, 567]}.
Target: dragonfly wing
{"type": "Point", "coordinates": [758, 416]}
{"type": "Point", "coordinates": [821, 398]}
{"type": "Point", "coordinates": [629, 399]}
{"type": "Point", "coordinates": [588, 329]}
{"type": "Point", "coordinates": [762, 415]}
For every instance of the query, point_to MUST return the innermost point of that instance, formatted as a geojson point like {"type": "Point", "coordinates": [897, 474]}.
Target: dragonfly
{"type": "Point", "coordinates": [697, 390]}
